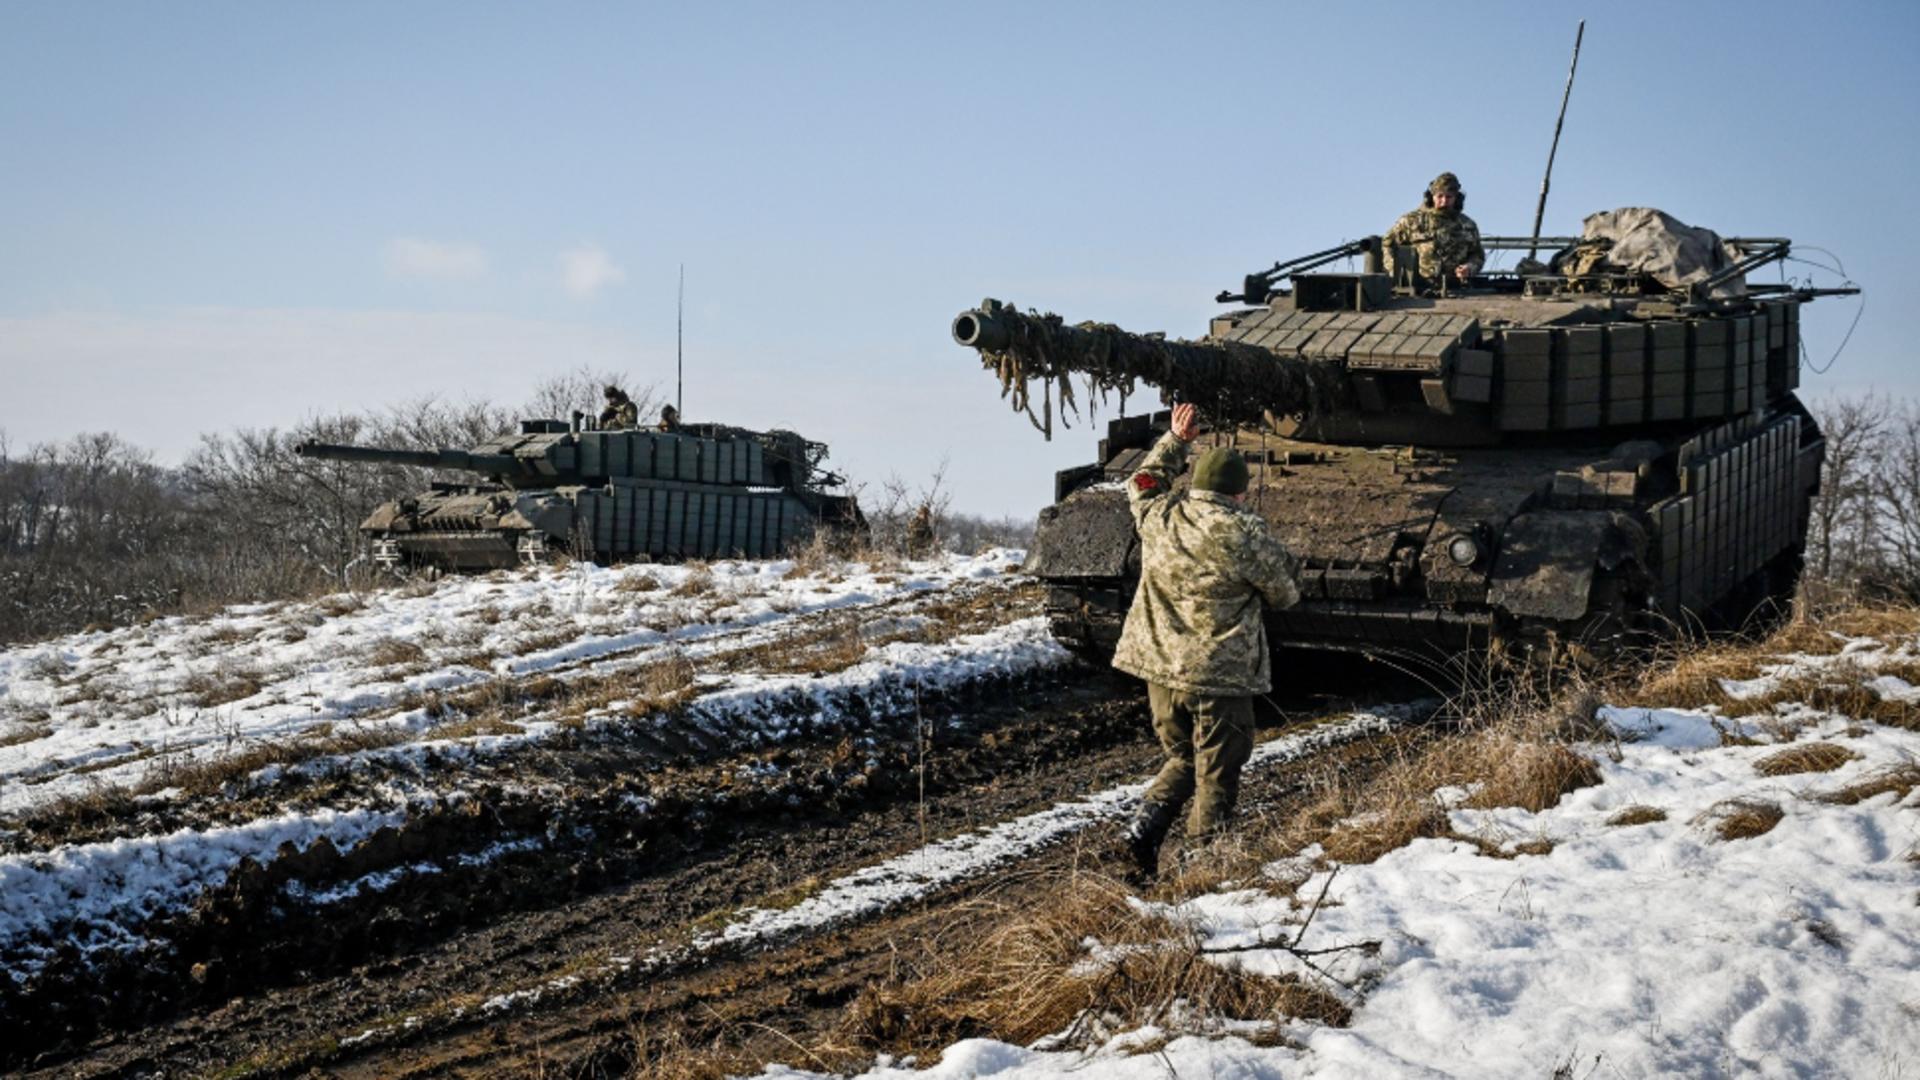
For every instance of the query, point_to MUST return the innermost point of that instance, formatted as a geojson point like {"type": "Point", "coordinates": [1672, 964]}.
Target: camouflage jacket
{"type": "Point", "coordinates": [1205, 566]}
{"type": "Point", "coordinates": [1443, 241]}
{"type": "Point", "coordinates": [623, 415]}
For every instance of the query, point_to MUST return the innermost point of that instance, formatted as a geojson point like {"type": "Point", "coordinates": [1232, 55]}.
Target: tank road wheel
{"type": "Point", "coordinates": [534, 549]}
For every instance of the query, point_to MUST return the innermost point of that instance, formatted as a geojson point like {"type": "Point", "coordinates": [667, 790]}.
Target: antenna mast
{"type": "Point", "coordinates": [680, 325]}
{"type": "Point", "coordinates": [1547, 180]}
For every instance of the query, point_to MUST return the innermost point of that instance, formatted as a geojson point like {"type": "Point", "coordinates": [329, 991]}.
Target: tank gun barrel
{"type": "Point", "coordinates": [492, 464]}
{"type": "Point", "coordinates": [1229, 382]}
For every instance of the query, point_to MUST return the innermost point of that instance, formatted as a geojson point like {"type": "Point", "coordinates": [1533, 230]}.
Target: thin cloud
{"type": "Point", "coordinates": [587, 269]}
{"type": "Point", "coordinates": [412, 257]}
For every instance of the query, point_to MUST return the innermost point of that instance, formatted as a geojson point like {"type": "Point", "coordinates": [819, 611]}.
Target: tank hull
{"type": "Point", "coordinates": [473, 529]}
{"type": "Point", "coordinates": [1575, 543]}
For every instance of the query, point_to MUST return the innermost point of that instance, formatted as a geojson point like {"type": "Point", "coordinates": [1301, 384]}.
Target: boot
{"type": "Point", "coordinates": [1144, 835]}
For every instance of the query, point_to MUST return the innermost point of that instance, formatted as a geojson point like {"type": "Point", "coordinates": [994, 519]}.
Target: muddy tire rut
{"type": "Point", "coordinates": [253, 984]}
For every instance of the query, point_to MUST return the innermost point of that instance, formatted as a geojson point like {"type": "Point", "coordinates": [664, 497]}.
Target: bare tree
{"type": "Point", "coordinates": [1897, 485]}
{"type": "Point", "coordinates": [1840, 532]}
{"type": "Point", "coordinates": [891, 513]}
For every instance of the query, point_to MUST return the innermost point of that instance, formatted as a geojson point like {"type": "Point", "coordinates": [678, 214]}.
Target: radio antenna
{"type": "Point", "coordinates": [1546, 181]}
{"type": "Point", "coordinates": [680, 327]}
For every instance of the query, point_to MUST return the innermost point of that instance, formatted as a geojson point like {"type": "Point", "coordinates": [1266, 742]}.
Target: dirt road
{"type": "Point", "coordinates": [582, 954]}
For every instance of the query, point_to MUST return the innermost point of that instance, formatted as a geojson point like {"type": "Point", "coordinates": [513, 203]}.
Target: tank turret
{"type": "Point", "coordinates": [697, 491]}
{"type": "Point", "coordinates": [1561, 458]}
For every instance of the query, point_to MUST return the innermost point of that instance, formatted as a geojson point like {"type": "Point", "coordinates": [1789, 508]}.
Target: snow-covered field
{"type": "Point", "coordinates": [1643, 944]}
{"type": "Point", "coordinates": [1644, 941]}
{"type": "Point", "coordinates": [124, 707]}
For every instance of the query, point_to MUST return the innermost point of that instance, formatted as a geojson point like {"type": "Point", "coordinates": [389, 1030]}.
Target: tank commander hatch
{"type": "Point", "coordinates": [1445, 240]}
{"type": "Point", "coordinates": [620, 412]}
{"type": "Point", "coordinates": [1195, 633]}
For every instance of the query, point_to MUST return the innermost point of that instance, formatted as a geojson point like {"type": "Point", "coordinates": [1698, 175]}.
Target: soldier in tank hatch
{"type": "Point", "coordinates": [669, 418]}
{"type": "Point", "coordinates": [1444, 238]}
{"type": "Point", "coordinates": [1195, 632]}
{"type": "Point", "coordinates": [620, 412]}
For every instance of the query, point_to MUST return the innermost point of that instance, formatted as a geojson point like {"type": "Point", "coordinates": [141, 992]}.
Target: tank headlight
{"type": "Point", "coordinates": [1463, 549]}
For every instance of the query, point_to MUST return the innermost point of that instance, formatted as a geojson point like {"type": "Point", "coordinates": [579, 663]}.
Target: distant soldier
{"type": "Point", "coordinates": [920, 533]}
{"type": "Point", "coordinates": [620, 412]}
{"type": "Point", "coordinates": [1195, 632]}
{"type": "Point", "coordinates": [1445, 240]}
{"type": "Point", "coordinates": [669, 418]}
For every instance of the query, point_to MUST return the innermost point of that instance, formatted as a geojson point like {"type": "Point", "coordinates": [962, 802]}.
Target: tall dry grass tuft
{"type": "Point", "coordinates": [1897, 780]}
{"type": "Point", "coordinates": [1637, 814]}
{"type": "Point", "coordinates": [698, 582]}
{"type": "Point", "coordinates": [1032, 975]}
{"type": "Point", "coordinates": [1810, 757]}
{"type": "Point", "coordinates": [1691, 674]}
{"type": "Point", "coordinates": [666, 683]}
{"type": "Point", "coordinates": [1740, 819]}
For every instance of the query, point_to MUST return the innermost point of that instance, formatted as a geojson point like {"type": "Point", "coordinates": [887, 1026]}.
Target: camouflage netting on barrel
{"type": "Point", "coordinates": [1230, 383]}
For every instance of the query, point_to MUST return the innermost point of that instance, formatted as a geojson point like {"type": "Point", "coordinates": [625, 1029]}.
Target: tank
{"type": "Point", "coordinates": [1536, 463]}
{"type": "Point", "coordinates": [698, 491]}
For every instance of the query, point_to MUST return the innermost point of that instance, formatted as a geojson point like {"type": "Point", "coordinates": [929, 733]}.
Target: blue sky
{"type": "Point", "coordinates": [219, 214]}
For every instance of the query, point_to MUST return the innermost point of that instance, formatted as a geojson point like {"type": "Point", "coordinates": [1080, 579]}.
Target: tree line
{"type": "Point", "coordinates": [1863, 539]}
{"type": "Point", "coordinates": [93, 532]}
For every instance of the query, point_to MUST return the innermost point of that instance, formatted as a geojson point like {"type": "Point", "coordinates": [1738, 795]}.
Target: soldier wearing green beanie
{"type": "Point", "coordinates": [1195, 632]}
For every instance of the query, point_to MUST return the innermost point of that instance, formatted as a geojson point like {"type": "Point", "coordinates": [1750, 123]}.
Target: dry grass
{"type": "Point", "coordinates": [214, 775]}
{"type": "Point", "coordinates": [1899, 780]}
{"type": "Point", "coordinates": [1637, 814]}
{"type": "Point", "coordinates": [221, 635]}
{"type": "Point", "coordinates": [835, 647]}
{"type": "Point", "coordinates": [222, 686]}
{"type": "Point", "coordinates": [816, 559]}
{"type": "Point", "coordinates": [1692, 679]}
{"type": "Point", "coordinates": [666, 683]}
{"type": "Point", "coordinates": [1811, 757]}
{"type": "Point", "coordinates": [1029, 976]}
{"type": "Point", "coordinates": [1690, 675]}
{"type": "Point", "coordinates": [1514, 762]}
{"type": "Point", "coordinates": [338, 604]}
{"type": "Point", "coordinates": [389, 652]}
{"type": "Point", "coordinates": [469, 727]}
{"type": "Point", "coordinates": [25, 734]}
{"type": "Point", "coordinates": [638, 583]}
{"type": "Point", "coordinates": [1740, 819]}
{"type": "Point", "coordinates": [698, 582]}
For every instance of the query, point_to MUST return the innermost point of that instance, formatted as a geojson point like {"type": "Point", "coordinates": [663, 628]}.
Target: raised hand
{"type": "Point", "coordinates": [1186, 425]}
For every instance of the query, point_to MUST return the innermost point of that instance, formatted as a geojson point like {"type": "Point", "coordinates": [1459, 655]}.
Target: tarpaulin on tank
{"type": "Point", "coordinates": [1648, 241]}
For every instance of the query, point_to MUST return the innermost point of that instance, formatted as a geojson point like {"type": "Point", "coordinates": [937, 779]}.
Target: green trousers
{"type": "Point", "coordinates": [1208, 741]}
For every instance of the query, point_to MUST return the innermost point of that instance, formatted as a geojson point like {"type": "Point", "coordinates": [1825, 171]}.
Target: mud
{"type": "Point", "coordinates": [259, 980]}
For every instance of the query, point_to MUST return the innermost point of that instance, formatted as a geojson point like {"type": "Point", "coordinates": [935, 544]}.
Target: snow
{"type": "Point", "coordinates": [98, 894]}
{"type": "Point", "coordinates": [95, 894]}
{"type": "Point", "coordinates": [118, 707]}
{"type": "Point", "coordinates": [912, 876]}
{"type": "Point", "coordinates": [1648, 950]}
{"type": "Point", "coordinates": [968, 855]}
{"type": "Point", "coordinates": [1657, 949]}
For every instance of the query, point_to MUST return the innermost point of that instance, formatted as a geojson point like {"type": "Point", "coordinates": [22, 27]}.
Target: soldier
{"type": "Point", "coordinates": [669, 418]}
{"type": "Point", "coordinates": [1446, 239]}
{"type": "Point", "coordinates": [1195, 633]}
{"type": "Point", "coordinates": [620, 412]}
{"type": "Point", "coordinates": [920, 535]}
